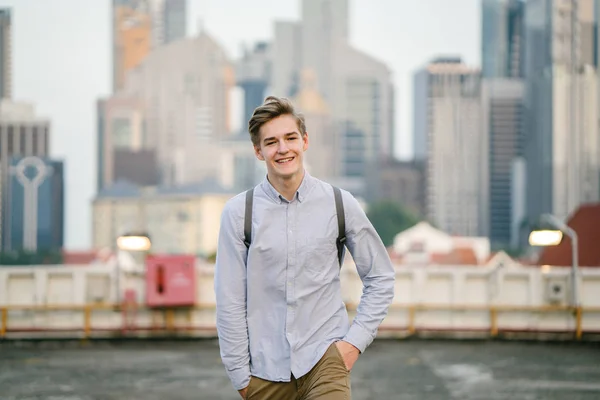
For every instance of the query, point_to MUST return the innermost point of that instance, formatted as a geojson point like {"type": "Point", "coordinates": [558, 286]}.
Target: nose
{"type": "Point", "coordinates": [282, 147]}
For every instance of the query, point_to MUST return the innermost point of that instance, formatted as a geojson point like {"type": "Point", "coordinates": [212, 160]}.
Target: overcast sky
{"type": "Point", "coordinates": [62, 63]}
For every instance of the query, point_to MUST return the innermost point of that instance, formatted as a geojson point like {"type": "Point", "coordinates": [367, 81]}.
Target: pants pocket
{"type": "Point", "coordinates": [339, 356]}
{"type": "Point", "coordinates": [250, 388]}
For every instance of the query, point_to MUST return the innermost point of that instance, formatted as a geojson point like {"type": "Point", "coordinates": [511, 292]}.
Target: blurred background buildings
{"type": "Point", "coordinates": [494, 146]}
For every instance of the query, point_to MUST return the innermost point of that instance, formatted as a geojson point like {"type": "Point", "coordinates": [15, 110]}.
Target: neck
{"type": "Point", "coordinates": [287, 187]}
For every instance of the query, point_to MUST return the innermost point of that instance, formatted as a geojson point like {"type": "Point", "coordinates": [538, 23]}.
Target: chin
{"type": "Point", "coordinates": [286, 172]}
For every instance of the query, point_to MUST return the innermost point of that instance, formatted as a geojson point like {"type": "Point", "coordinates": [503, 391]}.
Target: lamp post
{"type": "Point", "coordinates": [553, 238]}
{"type": "Point", "coordinates": [130, 242]}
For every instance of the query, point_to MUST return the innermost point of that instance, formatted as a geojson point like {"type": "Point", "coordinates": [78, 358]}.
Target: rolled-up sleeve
{"type": "Point", "coordinates": [230, 291]}
{"type": "Point", "coordinates": [375, 270]}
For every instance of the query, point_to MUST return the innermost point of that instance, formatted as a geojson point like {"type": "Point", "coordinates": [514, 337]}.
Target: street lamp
{"type": "Point", "coordinates": [134, 243]}
{"type": "Point", "coordinates": [545, 238]}
{"type": "Point", "coordinates": [553, 238]}
{"type": "Point", "coordinates": [138, 242]}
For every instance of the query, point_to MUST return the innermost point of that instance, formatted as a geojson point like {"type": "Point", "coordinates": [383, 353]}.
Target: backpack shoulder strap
{"type": "Point", "coordinates": [248, 218]}
{"type": "Point", "coordinates": [341, 239]}
{"type": "Point", "coordinates": [339, 206]}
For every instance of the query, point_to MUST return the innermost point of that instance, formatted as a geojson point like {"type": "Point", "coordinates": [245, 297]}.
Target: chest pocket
{"type": "Point", "coordinates": [319, 256]}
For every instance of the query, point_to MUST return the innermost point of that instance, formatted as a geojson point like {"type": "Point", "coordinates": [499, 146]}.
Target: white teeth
{"type": "Point", "coordinates": [284, 160]}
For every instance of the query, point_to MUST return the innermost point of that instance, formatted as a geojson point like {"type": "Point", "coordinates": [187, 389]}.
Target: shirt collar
{"type": "Point", "coordinates": [307, 183]}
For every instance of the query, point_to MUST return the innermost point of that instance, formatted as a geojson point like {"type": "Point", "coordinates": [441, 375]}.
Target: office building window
{"type": "Point", "coordinates": [45, 141]}
{"type": "Point", "coordinates": [22, 141]}
{"type": "Point", "coordinates": [35, 137]}
{"type": "Point", "coordinates": [122, 133]}
{"type": "Point", "coordinates": [11, 145]}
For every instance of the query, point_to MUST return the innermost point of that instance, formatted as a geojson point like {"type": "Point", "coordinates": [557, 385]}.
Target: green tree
{"type": "Point", "coordinates": [389, 218]}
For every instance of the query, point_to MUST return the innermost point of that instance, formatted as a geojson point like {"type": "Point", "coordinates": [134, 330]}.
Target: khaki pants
{"type": "Point", "coordinates": [328, 380]}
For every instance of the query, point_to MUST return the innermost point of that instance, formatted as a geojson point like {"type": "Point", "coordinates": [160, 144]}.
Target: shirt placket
{"type": "Point", "coordinates": [290, 270]}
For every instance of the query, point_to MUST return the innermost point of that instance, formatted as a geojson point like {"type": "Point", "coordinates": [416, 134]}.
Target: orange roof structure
{"type": "Point", "coordinates": [586, 222]}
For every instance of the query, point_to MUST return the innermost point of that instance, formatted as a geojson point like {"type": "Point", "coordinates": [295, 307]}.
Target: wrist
{"type": "Point", "coordinates": [351, 346]}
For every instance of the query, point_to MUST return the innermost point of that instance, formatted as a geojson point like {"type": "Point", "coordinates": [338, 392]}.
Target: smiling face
{"type": "Point", "coordinates": [282, 148]}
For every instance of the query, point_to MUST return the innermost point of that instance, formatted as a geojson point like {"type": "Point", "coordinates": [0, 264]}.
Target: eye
{"type": "Point", "coordinates": [292, 138]}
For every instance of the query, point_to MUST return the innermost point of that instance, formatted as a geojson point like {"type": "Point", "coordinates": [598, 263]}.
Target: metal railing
{"type": "Point", "coordinates": [169, 325]}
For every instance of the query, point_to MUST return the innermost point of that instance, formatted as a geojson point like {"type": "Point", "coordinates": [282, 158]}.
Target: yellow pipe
{"type": "Point", "coordinates": [394, 307]}
{"type": "Point", "coordinates": [188, 317]}
{"type": "Point", "coordinates": [493, 321]}
{"type": "Point", "coordinates": [412, 310]}
{"type": "Point", "coordinates": [4, 322]}
{"type": "Point", "coordinates": [170, 319]}
{"type": "Point", "coordinates": [411, 320]}
{"type": "Point", "coordinates": [87, 321]}
{"type": "Point", "coordinates": [471, 307]}
{"type": "Point", "coordinates": [578, 314]}
{"type": "Point", "coordinates": [203, 307]}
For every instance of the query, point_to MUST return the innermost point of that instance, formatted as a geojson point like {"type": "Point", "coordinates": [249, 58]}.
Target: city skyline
{"type": "Point", "coordinates": [49, 58]}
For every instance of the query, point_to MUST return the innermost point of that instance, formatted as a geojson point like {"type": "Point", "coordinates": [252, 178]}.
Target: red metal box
{"type": "Point", "coordinates": [170, 281]}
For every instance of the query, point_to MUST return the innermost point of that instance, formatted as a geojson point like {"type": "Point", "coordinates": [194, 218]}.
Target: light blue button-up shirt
{"type": "Point", "coordinates": [279, 309]}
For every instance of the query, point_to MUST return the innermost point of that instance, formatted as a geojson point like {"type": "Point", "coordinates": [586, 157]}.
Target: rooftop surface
{"type": "Point", "coordinates": [389, 369]}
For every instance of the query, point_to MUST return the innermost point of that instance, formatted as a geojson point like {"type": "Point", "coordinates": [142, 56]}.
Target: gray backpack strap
{"type": "Point", "coordinates": [341, 239]}
{"type": "Point", "coordinates": [248, 218]}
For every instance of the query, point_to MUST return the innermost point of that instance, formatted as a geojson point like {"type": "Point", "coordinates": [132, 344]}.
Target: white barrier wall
{"type": "Point", "coordinates": [38, 299]}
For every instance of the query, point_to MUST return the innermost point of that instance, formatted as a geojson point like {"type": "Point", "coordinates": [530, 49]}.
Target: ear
{"type": "Point", "coordinates": [258, 153]}
{"type": "Point", "coordinates": [305, 141]}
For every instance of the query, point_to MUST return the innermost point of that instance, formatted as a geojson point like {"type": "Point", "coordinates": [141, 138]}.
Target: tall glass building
{"type": "Point", "coordinates": [5, 53]}
{"type": "Point", "coordinates": [502, 58]}
{"type": "Point", "coordinates": [561, 140]}
{"type": "Point", "coordinates": [502, 41]}
{"type": "Point", "coordinates": [35, 195]}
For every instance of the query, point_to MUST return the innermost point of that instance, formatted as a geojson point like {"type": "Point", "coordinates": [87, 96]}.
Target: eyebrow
{"type": "Point", "coordinates": [286, 135]}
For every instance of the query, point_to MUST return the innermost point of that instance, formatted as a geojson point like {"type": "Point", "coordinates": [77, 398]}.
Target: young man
{"type": "Point", "coordinates": [284, 332]}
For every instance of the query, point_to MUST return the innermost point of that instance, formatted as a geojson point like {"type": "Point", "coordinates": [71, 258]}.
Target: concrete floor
{"type": "Point", "coordinates": [389, 369]}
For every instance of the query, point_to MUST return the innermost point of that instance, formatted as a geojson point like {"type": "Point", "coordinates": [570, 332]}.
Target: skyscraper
{"type": "Point", "coordinates": [285, 58]}
{"type": "Point", "coordinates": [321, 160]}
{"type": "Point", "coordinates": [324, 33]}
{"type": "Point", "coordinates": [365, 135]}
{"type": "Point", "coordinates": [252, 75]}
{"type": "Point", "coordinates": [357, 87]}
{"type": "Point", "coordinates": [421, 84]}
{"type": "Point", "coordinates": [132, 37]}
{"type": "Point", "coordinates": [502, 41]}
{"type": "Point", "coordinates": [123, 149]}
{"type": "Point", "coordinates": [22, 135]}
{"type": "Point", "coordinates": [174, 17]}
{"type": "Point", "coordinates": [561, 143]}
{"type": "Point", "coordinates": [169, 21]}
{"type": "Point", "coordinates": [140, 26]}
{"type": "Point", "coordinates": [456, 172]}
{"type": "Point", "coordinates": [5, 54]}
{"type": "Point", "coordinates": [597, 59]}
{"type": "Point", "coordinates": [502, 57]}
{"type": "Point", "coordinates": [183, 90]}
{"type": "Point", "coordinates": [35, 196]}
{"type": "Point", "coordinates": [503, 123]}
